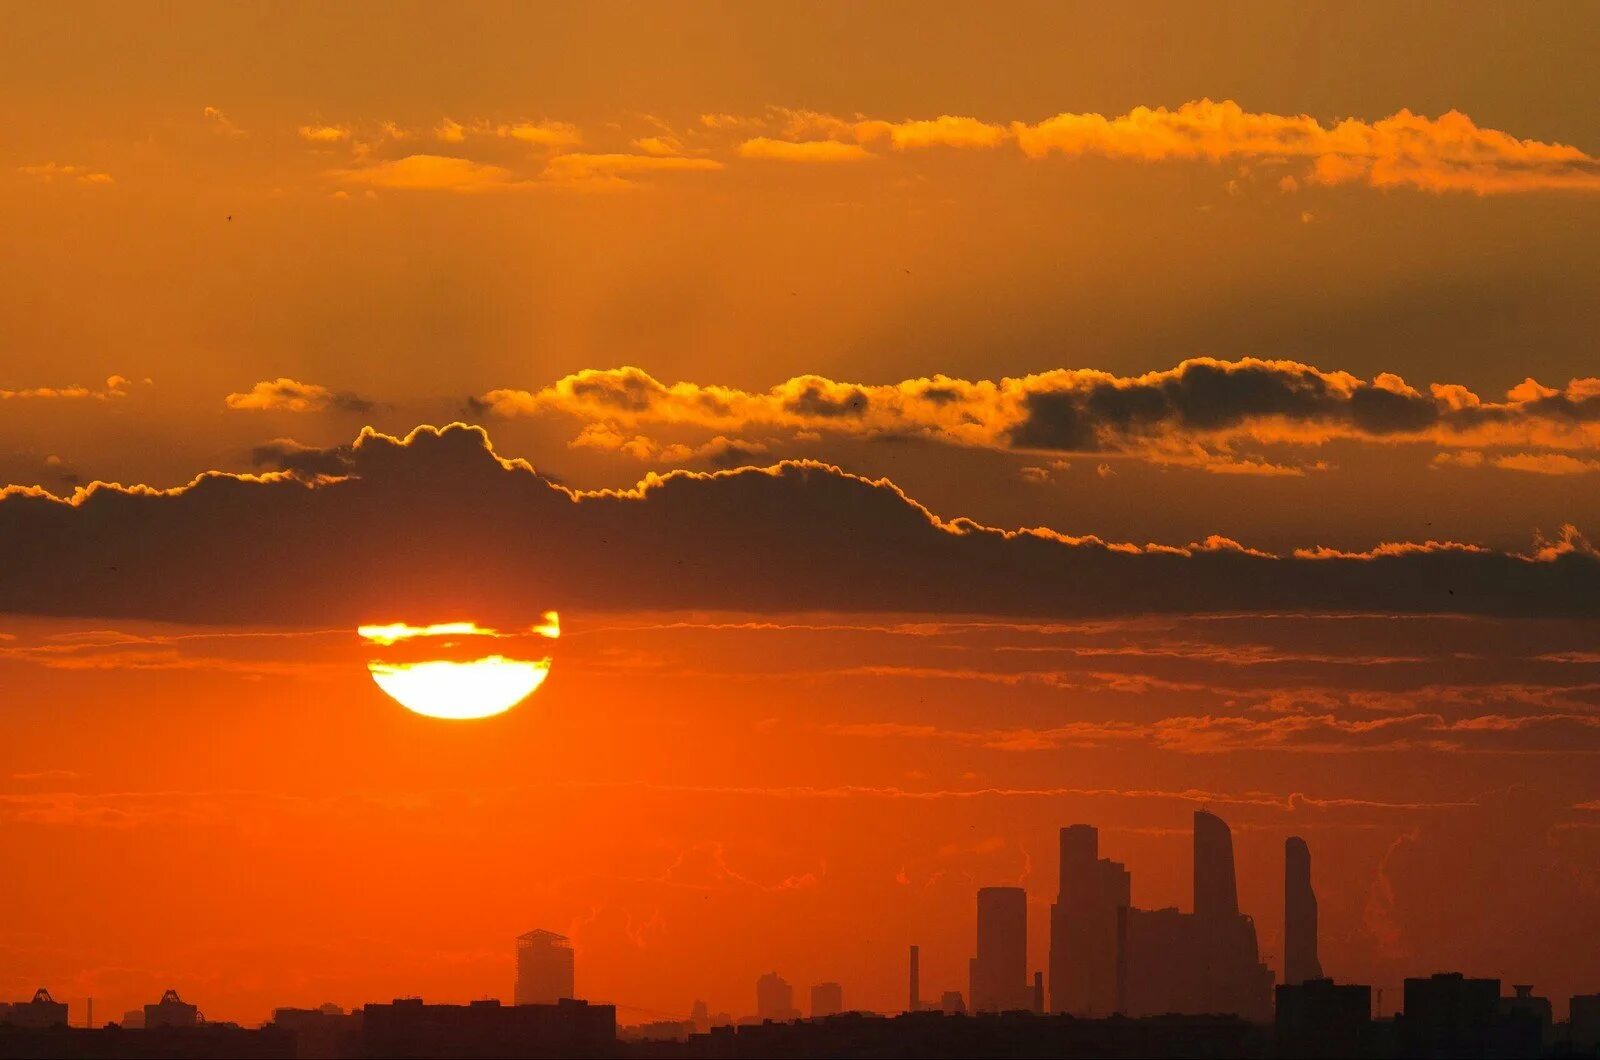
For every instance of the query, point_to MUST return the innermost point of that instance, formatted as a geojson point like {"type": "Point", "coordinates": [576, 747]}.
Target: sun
{"type": "Point", "coordinates": [437, 670]}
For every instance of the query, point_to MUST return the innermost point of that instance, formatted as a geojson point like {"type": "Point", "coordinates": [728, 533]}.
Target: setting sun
{"type": "Point", "coordinates": [437, 671]}
{"type": "Point", "coordinates": [479, 688]}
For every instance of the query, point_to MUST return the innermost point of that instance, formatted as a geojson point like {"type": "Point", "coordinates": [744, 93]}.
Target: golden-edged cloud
{"type": "Point", "coordinates": [439, 516]}
{"type": "Point", "coordinates": [1198, 413]}
{"type": "Point", "coordinates": [116, 386]}
{"type": "Point", "coordinates": [764, 147]}
{"type": "Point", "coordinates": [425, 172]}
{"type": "Point", "coordinates": [290, 395]}
{"type": "Point", "coordinates": [1448, 153]}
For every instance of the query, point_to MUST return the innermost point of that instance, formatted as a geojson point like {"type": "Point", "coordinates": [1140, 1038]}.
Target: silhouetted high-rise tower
{"type": "Point", "coordinates": [1216, 894]}
{"type": "Point", "coordinates": [1299, 914]}
{"type": "Point", "coordinates": [999, 973]}
{"type": "Point", "coordinates": [1083, 926]}
{"type": "Point", "coordinates": [545, 968]}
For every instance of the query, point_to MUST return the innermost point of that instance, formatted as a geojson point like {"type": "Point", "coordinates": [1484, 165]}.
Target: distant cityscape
{"type": "Point", "coordinates": [1118, 981]}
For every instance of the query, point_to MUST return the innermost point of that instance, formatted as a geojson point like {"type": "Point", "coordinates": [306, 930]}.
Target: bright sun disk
{"type": "Point", "coordinates": [479, 688]}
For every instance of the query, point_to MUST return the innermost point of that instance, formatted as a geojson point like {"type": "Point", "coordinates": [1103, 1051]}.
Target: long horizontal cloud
{"type": "Point", "coordinates": [437, 526]}
{"type": "Point", "coordinates": [116, 387]}
{"type": "Point", "coordinates": [1188, 414]}
{"type": "Point", "coordinates": [1448, 153]}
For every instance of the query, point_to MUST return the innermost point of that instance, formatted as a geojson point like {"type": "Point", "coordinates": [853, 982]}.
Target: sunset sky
{"type": "Point", "coordinates": [933, 426]}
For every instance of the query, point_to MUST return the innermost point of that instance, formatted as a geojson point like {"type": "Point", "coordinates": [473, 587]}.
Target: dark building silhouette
{"type": "Point", "coordinates": [1216, 892]}
{"type": "Point", "coordinates": [1450, 1015]}
{"type": "Point", "coordinates": [1083, 926]}
{"type": "Point", "coordinates": [827, 999]}
{"type": "Point", "coordinates": [1300, 961]}
{"type": "Point", "coordinates": [1583, 1023]}
{"type": "Point", "coordinates": [1529, 1011]}
{"type": "Point", "coordinates": [950, 1003]}
{"type": "Point", "coordinates": [171, 1011]}
{"type": "Point", "coordinates": [546, 969]}
{"type": "Point", "coordinates": [936, 1036]}
{"type": "Point", "coordinates": [208, 1041]}
{"type": "Point", "coordinates": [1318, 1018]}
{"type": "Point", "coordinates": [325, 1031]}
{"type": "Point", "coordinates": [914, 1001]}
{"type": "Point", "coordinates": [999, 973]}
{"type": "Point", "coordinates": [408, 1028]}
{"type": "Point", "coordinates": [42, 1011]}
{"type": "Point", "coordinates": [1207, 961]}
{"type": "Point", "coordinates": [775, 998]}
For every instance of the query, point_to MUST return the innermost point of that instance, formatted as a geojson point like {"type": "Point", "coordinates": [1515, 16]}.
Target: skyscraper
{"type": "Point", "coordinates": [1216, 894]}
{"type": "Point", "coordinates": [999, 973]}
{"type": "Point", "coordinates": [1299, 914]}
{"type": "Point", "coordinates": [1083, 926]}
{"type": "Point", "coordinates": [775, 998]}
{"type": "Point", "coordinates": [545, 968]}
{"type": "Point", "coordinates": [827, 999]}
{"type": "Point", "coordinates": [1207, 961]}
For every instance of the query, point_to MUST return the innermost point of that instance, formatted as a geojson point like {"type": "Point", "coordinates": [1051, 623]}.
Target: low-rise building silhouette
{"type": "Point", "coordinates": [1583, 1023]}
{"type": "Point", "coordinates": [171, 1011]}
{"type": "Point", "coordinates": [40, 1011]}
{"type": "Point", "coordinates": [409, 1028]}
{"type": "Point", "coordinates": [1320, 1018]}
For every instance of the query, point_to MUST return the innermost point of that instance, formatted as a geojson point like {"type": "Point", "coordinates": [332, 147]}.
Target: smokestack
{"type": "Point", "coordinates": [1038, 993]}
{"type": "Point", "coordinates": [916, 981]}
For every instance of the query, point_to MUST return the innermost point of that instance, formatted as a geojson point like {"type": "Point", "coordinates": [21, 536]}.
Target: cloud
{"type": "Point", "coordinates": [437, 521]}
{"type": "Point", "coordinates": [1448, 153]}
{"type": "Point", "coordinates": [288, 395]}
{"type": "Point", "coordinates": [802, 151]}
{"type": "Point", "coordinates": [1546, 464]}
{"type": "Point", "coordinates": [325, 134]}
{"type": "Point", "coordinates": [431, 173]}
{"type": "Point", "coordinates": [541, 133]}
{"type": "Point", "coordinates": [943, 131]}
{"type": "Point", "coordinates": [51, 171]}
{"type": "Point", "coordinates": [116, 386]}
{"type": "Point", "coordinates": [220, 123]}
{"type": "Point", "coordinates": [1303, 733]}
{"type": "Point", "coordinates": [1196, 414]}
{"type": "Point", "coordinates": [450, 132]}
{"type": "Point", "coordinates": [587, 168]}
{"type": "Point", "coordinates": [719, 452]}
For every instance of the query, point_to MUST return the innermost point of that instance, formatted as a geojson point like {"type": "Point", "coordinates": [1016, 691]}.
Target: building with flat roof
{"type": "Point", "coordinates": [546, 969]}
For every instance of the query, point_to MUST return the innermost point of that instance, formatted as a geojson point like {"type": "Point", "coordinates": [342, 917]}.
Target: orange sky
{"type": "Point", "coordinates": [1273, 326]}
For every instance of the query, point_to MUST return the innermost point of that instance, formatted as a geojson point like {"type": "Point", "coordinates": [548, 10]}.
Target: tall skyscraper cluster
{"type": "Point", "coordinates": [1107, 956]}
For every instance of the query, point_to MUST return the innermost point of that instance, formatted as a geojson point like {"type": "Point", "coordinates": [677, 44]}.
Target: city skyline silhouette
{"type": "Point", "coordinates": [1172, 983]}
